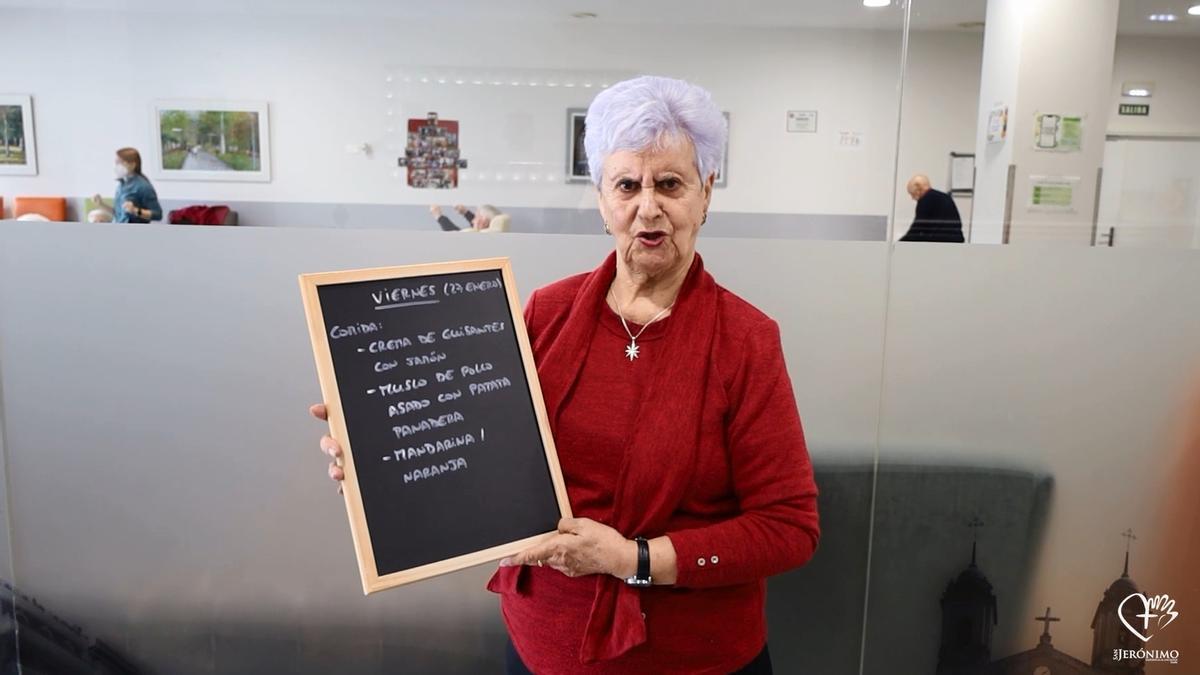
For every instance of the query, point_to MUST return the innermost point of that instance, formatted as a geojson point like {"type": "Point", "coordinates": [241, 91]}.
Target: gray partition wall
{"type": "Point", "coordinates": [168, 497]}
{"type": "Point", "coordinates": [991, 414]}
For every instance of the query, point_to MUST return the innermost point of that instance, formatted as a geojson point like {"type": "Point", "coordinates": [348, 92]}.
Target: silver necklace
{"type": "Point", "coordinates": [631, 351]}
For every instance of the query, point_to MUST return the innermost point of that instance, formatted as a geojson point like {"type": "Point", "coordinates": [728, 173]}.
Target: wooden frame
{"type": "Point", "coordinates": [261, 137]}
{"type": "Point", "coordinates": [372, 581]}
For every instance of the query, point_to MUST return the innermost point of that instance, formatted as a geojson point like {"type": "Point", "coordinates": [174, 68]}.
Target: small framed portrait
{"type": "Point", "coordinates": [577, 163]}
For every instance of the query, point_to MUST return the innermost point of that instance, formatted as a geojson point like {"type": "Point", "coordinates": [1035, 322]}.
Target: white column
{"type": "Point", "coordinates": [1052, 57]}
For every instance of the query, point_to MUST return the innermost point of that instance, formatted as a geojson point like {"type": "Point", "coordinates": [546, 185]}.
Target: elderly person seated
{"type": "Point", "coordinates": [937, 216]}
{"type": "Point", "coordinates": [674, 419]}
{"type": "Point", "coordinates": [487, 219]}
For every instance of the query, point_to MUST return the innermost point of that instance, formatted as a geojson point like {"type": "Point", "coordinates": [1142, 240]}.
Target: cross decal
{"type": "Point", "coordinates": [1129, 538]}
{"type": "Point", "coordinates": [1046, 621]}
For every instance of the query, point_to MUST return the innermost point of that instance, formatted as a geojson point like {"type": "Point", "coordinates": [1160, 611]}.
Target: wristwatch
{"type": "Point", "coordinates": [642, 577]}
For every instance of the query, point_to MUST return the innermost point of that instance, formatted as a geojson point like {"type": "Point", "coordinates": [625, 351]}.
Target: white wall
{"type": "Point", "coordinates": [325, 81]}
{"type": "Point", "coordinates": [940, 91]}
{"type": "Point", "coordinates": [1171, 64]}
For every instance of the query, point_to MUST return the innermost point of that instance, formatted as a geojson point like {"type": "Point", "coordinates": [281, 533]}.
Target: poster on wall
{"type": "Point", "coordinates": [432, 155]}
{"type": "Point", "coordinates": [1052, 193]}
{"type": "Point", "coordinates": [802, 121]}
{"type": "Point", "coordinates": [211, 141]}
{"type": "Point", "coordinates": [997, 129]}
{"type": "Point", "coordinates": [18, 147]}
{"type": "Point", "coordinates": [1057, 133]}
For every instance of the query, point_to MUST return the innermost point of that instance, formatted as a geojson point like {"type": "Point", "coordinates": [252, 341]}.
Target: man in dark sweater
{"type": "Point", "coordinates": [937, 217]}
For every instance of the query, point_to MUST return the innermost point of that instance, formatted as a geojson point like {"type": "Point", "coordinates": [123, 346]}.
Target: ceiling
{"type": "Point", "coordinates": [926, 14]}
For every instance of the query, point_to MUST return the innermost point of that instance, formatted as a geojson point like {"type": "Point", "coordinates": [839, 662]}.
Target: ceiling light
{"type": "Point", "coordinates": [1194, 10]}
{"type": "Point", "coordinates": [1137, 89]}
{"type": "Point", "coordinates": [584, 15]}
{"type": "Point", "coordinates": [876, 3]}
{"type": "Point", "coordinates": [1167, 18]}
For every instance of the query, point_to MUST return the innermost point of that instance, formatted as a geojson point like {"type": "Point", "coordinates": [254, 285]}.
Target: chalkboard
{"type": "Point", "coordinates": [432, 393]}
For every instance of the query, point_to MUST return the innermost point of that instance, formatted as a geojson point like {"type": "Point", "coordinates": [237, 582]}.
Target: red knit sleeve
{"type": "Point", "coordinates": [529, 326]}
{"type": "Point", "coordinates": [777, 528]}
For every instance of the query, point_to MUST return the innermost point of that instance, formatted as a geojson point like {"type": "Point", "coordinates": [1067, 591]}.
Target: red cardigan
{"type": "Point", "coordinates": [750, 511]}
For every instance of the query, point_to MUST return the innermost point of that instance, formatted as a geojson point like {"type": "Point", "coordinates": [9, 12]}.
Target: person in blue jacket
{"type": "Point", "coordinates": [135, 200]}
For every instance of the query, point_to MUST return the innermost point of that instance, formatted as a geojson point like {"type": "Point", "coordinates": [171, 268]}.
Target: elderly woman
{"type": "Point", "coordinates": [674, 419]}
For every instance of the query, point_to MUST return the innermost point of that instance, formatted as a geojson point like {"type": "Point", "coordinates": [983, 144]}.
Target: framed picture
{"type": "Point", "coordinates": [962, 173]}
{"type": "Point", "coordinates": [577, 163]}
{"type": "Point", "coordinates": [211, 140]}
{"type": "Point", "coordinates": [723, 168]}
{"type": "Point", "coordinates": [18, 147]}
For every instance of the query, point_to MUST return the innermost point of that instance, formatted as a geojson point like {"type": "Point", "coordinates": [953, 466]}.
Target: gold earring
{"type": "Point", "coordinates": [606, 230]}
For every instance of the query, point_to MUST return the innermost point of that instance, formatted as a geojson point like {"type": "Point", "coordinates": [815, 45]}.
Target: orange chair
{"type": "Point", "coordinates": [53, 208]}
{"type": "Point", "coordinates": [1, 208]}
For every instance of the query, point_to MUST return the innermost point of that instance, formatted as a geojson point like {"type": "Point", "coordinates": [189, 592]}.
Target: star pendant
{"type": "Point", "coordinates": [632, 350]}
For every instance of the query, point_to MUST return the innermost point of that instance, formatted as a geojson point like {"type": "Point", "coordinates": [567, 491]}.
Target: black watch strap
{"type": "Point", "coordinates": [642, 578]}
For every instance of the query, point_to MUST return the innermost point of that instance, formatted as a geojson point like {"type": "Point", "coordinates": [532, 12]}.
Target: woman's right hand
{"type": "Point", "coordinates": [330, 447]}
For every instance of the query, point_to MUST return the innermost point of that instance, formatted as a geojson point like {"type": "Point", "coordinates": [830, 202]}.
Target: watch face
{"type": "Point", "coordinates": [1041, 670]}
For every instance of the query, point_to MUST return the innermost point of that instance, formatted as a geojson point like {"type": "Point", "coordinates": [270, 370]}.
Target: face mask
{"type": "Point", "coordinates": [121, 171]}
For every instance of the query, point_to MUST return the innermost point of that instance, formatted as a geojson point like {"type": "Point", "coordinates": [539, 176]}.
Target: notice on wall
{"type": "Point", "coordinates": [851, 140]}
{"type": "Point", "coordinates": [433, 396]}
{"type": "Point", "coordinates": [1052, 193]}
{"type": "Point", "coordinates": [997, 129]}
{"type": "Point", "coordinates": [802, 121]}
{"type": "Point", "coordinates": [1057, 133]}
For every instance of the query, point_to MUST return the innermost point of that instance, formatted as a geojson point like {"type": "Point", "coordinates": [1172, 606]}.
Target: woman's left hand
{"type": "Point", "coordinates": [129, 207]}
{"type": "Point", "coordinates": [582, 546]}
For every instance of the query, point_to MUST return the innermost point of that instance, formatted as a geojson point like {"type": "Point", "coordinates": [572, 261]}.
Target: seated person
{"type": "Point", "coordinates": [937, 217]}
{"type": "Point", "coordinates": [479, 221]}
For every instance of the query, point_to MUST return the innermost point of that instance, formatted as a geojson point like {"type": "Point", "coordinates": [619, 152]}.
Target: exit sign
{"type": "Point", "coordinates": [1134, 109]}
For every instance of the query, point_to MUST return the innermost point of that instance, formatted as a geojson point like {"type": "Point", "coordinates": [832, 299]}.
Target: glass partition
{"type": "Point", "coordinates": [998, 432]}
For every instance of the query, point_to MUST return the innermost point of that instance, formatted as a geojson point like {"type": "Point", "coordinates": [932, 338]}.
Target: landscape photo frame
{"type": "Point", "coordinates": [204, 140]}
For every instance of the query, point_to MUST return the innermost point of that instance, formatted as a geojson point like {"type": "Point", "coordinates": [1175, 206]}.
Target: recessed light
{"type": "Point", "coordinates": [1139, 92]}
{"type": "Point", "coordinates": [1166, 18]}
{"type": "Point", "coordinates": [876, 3]}
{"type": "Point", "coordinates": [1194, 10]}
